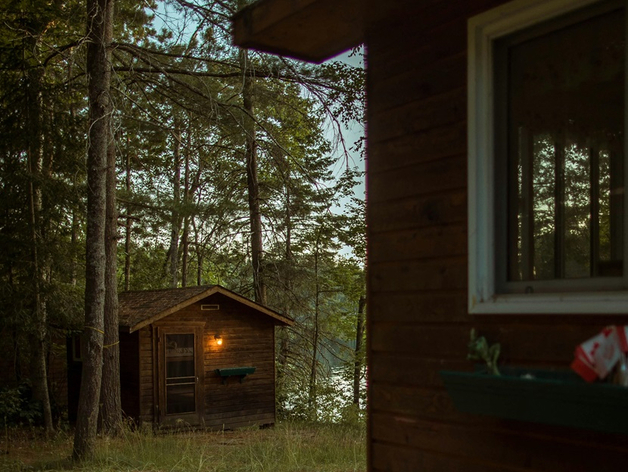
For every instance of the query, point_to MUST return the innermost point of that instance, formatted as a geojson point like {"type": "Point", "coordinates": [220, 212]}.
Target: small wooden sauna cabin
{"type": "Point", "coordinates": [199, 356]}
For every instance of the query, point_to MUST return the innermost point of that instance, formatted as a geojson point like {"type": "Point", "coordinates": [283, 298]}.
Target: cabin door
{"type": "Point", "coordinates": [180, 368]}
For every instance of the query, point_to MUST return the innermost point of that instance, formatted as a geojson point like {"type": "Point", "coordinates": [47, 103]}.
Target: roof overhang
{"type": "Point", "coordinates": [311, 30]}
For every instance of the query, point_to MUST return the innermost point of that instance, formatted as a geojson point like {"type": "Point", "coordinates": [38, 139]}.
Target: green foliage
{"type": "Point", "coordinates": [17, 407]}
{"type": "Point", "coordinates": [479, 350]}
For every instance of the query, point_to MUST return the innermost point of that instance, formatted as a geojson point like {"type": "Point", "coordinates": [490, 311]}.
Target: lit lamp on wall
{"type": "Point", "coordinates": [218, 339]}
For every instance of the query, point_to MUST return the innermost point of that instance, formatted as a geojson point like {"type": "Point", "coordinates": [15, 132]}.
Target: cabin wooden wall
{"type": "Point", "coordinates": [248, 340]}
{"type": "Point", "coordinates": [417, 233]}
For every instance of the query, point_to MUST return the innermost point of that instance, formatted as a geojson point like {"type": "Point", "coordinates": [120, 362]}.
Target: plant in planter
{"type": "Point", "coordinates": [479, 350]}
{"type": "Point", "coordinates": [551, 396]}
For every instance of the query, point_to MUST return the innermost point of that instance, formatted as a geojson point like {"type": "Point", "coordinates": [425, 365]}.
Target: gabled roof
{"type": "Point", "coordinates": [312, 30]}
{"type": "Point", "coordinates": [143, 307]}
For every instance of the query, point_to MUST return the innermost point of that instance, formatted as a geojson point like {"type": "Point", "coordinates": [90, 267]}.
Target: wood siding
{"type": "Point", "coordinates": [248, 340]}
{"type": "Point", "coordinates": [418, 322]}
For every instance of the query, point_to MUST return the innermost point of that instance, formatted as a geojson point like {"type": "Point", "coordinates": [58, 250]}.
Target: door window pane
{"type": "Point", "coordinates": [180, 374]}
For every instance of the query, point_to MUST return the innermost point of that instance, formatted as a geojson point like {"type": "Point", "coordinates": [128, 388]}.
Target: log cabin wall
{"type": "Point", "coordinates": [248, 340]}
{"type": "Point", "coordinates": [417, 233]}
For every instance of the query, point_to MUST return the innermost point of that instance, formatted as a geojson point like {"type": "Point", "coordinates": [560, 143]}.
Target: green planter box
{"type": "Point", "coordinates": [550, 397]}
{"type": "Point", "coordinates": [240, 372]}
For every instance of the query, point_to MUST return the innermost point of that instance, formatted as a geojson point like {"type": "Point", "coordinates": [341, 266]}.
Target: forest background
{"type": "Point", "coordinates": [225, 167]}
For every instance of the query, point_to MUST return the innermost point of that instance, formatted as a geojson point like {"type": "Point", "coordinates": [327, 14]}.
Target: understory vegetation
{"type": "Point", "coordinates": [289, 446]}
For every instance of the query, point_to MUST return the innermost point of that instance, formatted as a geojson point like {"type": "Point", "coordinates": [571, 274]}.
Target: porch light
{"type": "Point", "coordinates": [218, 339]}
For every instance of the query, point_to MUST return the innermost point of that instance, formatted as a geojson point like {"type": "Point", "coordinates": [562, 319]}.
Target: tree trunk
{"type": "Point", "coordinates": [199, 255]}
{"type": "Point", "coordinates": [111, 409]}
{"type": "Point", "coordinates": [250, 152]}
{"type": "Point", "coordinates": [282, 358]}
{"type": "Point", "coordinates": [127, 226]}
{"type": "Point", "coordinates": [99, 35]}
{"type": "Point", "coordinates": [185, 237]}
{"type": "Point", "coordinates": [185, 249]}
{"type": "Point", "coordinates": [359, 355]}
{"type": "Point", "coordinates": [173, 252]}
{"type": "Point", "coordinates": [74, 240]}
{"type": "Point", "coordinates": [312, 403]}
{"type": "Point", "coordinates": [39, 375]}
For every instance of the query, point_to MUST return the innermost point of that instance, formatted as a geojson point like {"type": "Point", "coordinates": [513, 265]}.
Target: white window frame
{"type": "Point", "coordinates": [483, 30]}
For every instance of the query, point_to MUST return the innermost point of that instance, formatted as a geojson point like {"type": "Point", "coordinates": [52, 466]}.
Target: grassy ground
{"type": "Point", "coordinates": [288, 447]}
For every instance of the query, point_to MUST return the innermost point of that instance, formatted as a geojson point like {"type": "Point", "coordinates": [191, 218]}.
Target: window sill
{"type": "Point", "coordinates": [582, 303]}
{"type": "Point", "coordinates": [559, 398]}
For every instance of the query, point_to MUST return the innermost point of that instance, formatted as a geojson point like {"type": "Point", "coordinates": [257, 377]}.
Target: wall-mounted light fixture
{"type": "Point", "coordinates": [218, 339]}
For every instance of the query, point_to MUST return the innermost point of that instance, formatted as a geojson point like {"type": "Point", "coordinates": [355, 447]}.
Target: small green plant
{"type": "Point", "coordinates": [479, 350]}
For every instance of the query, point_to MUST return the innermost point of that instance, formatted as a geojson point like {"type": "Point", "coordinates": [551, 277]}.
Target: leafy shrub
{"type": "Point", "coordinates": [17, 406]}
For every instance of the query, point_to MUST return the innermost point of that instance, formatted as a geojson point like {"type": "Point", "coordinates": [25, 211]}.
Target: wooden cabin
{"type": "Point", "coordinates": [465, 99]}
{"type": "Point", "coordinates": [200, 356]}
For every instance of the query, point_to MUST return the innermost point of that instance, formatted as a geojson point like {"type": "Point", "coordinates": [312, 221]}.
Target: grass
{"type": "Point", "coordinates": [288, 447]}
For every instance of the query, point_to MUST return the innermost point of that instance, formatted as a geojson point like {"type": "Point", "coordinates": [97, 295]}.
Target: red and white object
{"type": "Point", "coordinates": [597, 356]}
{"type": "Point", "coordinates": [622, 332]}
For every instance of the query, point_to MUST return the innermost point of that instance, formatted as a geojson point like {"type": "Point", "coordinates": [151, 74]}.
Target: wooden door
{"type": "Point", "coordinates": [180, 372]}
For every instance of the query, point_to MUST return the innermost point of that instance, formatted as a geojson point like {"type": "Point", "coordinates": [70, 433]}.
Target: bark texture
{"type": "Point", "coordinates": [38, 263]}
{"type": "Point", "coordinates": [359, 351]}
{"type": "Point", "coordinates": [250, 152]}
{"type": "Point", "coordinates": [110, 400]}
{"type": "Point", "coordinates": [99, 34]}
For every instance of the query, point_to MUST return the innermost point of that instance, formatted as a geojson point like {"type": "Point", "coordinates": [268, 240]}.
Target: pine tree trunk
{"type": "Point", "coordinates": [359, 356]}
{"type": "Point", "coordinates": [173, 251]}
{"type": "Point", "coordinates": [39, 375]}
{"type": "Point", "coordinates": [111, 408]}
{"type": "Point", "coordinates": [185, 237]}
{"type": "Point", "coordinates": [185, 249]}
{"type": "Point", "coordinates": [250, 152]}
{"type": "Point", "coordinates": [282, 357]}
{"type": "Point", "coordinates": [312, 394]}
{"type": "Point", "coordinates": [127, 226]}
{"type": "Point", "coordinates": [199, 255]}
{"type": "Point", "coordinates": [99, 35]}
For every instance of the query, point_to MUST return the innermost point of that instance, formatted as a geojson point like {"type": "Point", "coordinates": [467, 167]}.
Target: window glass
{"type": "Point", "coordinates": [180, 374]}
{"type": "Point", "coordinates": [562, 114]}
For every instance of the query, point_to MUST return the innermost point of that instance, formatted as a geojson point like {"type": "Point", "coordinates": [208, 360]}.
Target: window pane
{"type": "Point", "coordinates": [180, 374]}
{"type": "Point", "coordinates": [565, 121]}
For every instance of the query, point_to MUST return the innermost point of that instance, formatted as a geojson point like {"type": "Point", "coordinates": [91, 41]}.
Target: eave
{"type": "Point", "coordinates": [310, 30]}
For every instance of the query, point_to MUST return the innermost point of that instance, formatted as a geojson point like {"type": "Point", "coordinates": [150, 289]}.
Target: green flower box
{"type": "Point", "coordinates": [240, 372]}
{"type": "Point", "coordinates": [540, 396]}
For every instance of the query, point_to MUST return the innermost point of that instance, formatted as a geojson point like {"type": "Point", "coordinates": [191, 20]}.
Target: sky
{"type": "Point", "coordinates": [356, 130]}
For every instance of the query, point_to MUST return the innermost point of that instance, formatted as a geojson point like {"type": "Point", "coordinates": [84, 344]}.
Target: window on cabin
{"type": "Point", "coordinates": [547, 132]}
{"type": "Point", "coordinates": [560, 117]}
